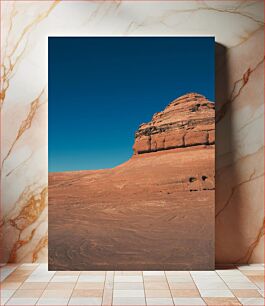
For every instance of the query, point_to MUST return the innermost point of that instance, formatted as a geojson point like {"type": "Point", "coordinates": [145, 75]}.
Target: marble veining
{"type": "Point", "coordinates": [238, 27]}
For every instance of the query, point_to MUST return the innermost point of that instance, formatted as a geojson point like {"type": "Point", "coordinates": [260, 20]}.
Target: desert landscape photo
{"type": "Point", "coordinates": [153, 211]}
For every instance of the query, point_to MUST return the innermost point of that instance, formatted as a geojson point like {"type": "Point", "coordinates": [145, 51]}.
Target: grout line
{"type": "Point", "coordinates": [74, 288]}
{"type": "Point", "coordinates": [142, 273]}
{"type": "Point", "coordinates": [70, 296]}
{"type": "Point", "coordinates": [43, 289]}
{"type": "Point", "coordinates": [102, 296]}
{"type": "Point", "coordinates": [114, 273]}
{"type": "Point", "coordinates": [112, 290]}
{"type": "Point", "coordinates": [169, 288]}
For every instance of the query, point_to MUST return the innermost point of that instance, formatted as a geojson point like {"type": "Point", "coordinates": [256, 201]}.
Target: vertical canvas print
{"type": "Point", "coordinates": [131, 153]}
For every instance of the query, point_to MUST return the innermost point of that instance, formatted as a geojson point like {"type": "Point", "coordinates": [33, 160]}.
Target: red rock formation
{"type": "Point", "coordinates": [186, 121]}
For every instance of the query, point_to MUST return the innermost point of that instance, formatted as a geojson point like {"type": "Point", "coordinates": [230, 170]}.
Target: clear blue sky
{"type": "Point", "coordinates": [102, 89]}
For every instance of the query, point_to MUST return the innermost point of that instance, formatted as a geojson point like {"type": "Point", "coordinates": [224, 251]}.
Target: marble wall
{"type": "Point", "coordinates": [238, 27]}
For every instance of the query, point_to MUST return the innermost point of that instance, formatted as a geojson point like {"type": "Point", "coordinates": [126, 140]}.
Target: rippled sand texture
{"type": "Point", "coordinates": [153, 212]}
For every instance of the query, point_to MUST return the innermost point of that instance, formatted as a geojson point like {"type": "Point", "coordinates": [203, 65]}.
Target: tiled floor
{"type": "Point", "coordinates": [33, 284]}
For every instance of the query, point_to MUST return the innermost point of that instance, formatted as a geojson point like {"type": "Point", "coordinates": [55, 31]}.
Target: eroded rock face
{"type": "Point", "coordinates": [186, 121]}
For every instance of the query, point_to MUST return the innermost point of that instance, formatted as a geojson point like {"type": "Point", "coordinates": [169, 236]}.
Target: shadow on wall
{"type": "Point", "coordinates": [225, 148]}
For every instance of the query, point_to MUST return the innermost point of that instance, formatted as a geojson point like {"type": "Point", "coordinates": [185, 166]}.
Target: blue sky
{"type": "Point", "coordinates": [102, 88]}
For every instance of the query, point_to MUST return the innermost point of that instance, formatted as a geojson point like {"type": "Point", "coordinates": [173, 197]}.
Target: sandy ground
{"type": "Point", "coordinates": [154, 212]}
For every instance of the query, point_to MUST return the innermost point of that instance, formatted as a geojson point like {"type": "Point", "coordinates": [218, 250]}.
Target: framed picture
{"type": "Point", "coordinates": [131, 153]}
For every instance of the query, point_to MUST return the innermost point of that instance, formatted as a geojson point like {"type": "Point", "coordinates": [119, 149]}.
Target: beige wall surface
{"type": "Point", "coordinates": [238, 27]}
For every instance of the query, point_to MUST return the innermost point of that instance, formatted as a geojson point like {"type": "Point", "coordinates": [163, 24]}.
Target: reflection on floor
{"type": "Point", "coordinates": [33, 284]}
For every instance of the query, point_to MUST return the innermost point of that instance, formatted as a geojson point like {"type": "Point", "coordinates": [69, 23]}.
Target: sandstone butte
{"type": "Point", "coordinates": [155, 211]}
{"type": "Point", "coordinates": [185, 122]}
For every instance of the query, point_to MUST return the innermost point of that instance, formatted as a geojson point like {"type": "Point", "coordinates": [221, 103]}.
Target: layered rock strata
{"type": "Point", "coordinates": [186, 121]}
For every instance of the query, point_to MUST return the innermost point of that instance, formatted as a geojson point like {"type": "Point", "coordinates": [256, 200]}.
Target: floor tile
{"type": "Point", "coordinates": [159, 301]}
{"type": "Point", "coordinates": [235, 279]}
{"type": "Point", "coordinates": [60, 286]}
{"type": "Point", "coordinates": [231, 272]}
{"type": "Point", "coordinates": [242, 293]}
{"type": "Point", "coordinates": [85, 301]}
{"type": "Point", "coordinates": [28, 293]}
{"type": "Point", "coordinates": [87, 293]}
{"type": "Point", "coordinates": [128, 273]}
{"type": "Point", "coordinates": [39, 278]}
{"type": "Point", "coordinates": [256, 278]}
{"type": "Point", "coordinates": [107, 297]}
{"type": "Point", "coordinates": [261, 292]}
{"type": "Point", "coordinates": [241, 285]}
{"type": "Point", "coordinates": [184, 293]}
{"type": "Point", "coordinates": [157, 293]}
{"type": "Point", "coordinates": [53, 301]}
{"type": "Point", "coordinates": [251, 301]}
{"type": "Point", "coordinates": [177, 273]}
{"type": "Point", "coordinates": [203, 273]}
{"type": "Point", "coordinates": [211, 285]}
{"type": "Point", "coordinates": [182, 286]}
{"type": "Point", "coordinates": [188, 301]}
{"type": "Point", "coordinates": [210, 278]}
{"type": "Point", "coordinates": [215, 301]}
{"type": "Point", "coordinates": [68, 273]}
{"type": "Point", "coordinates": [109, 280]}
{"type": "Point", "coordinates": [64, 278]}
{"type": "Point", "coordinates": [250, 267]}
{"type": "Point", "coordinates": [43, 266]}
{"type": "Point", "coordinates": [156, 285]}
{"type": "Point", "coordinates": [253, 272]}
{"type": "Point", "coordinates": [16, 278]}
{"type": "Point", "coordinates": [128, 301]}
{"type": "Point", "coordinates": [128, 293]}
{"type": "Point", "coordinates": [260, 285]}
{"type": "Point", "coordinates": [7, 293]}
{"type": "Point", "coordinates": [10, 285]}
{"type": "Point", "coordinates": [41, 270]}
{"type": "Point", "coordinates": [155, 278]}
{"type": "Point", "coordinates": [22, 301]}
{"type": "Point", "coordinates": [128, 279]}
{"type": "Point", "coordinates": [129, 286]}
{"type": "Point", "coordinates": [216, 293]}
{"type": "Point", "coordinates": [109, 285]}
{"type": "Point", "coordinates": [3, 300]}
{"type": "Point", "coordinates": [42, 273]}
{"type": "Point", "coordinates": [6, 271]}
{"type": "Point", "coordinates": [33, 286]}
{"type": "Point", "coordinates": [97, 273]}
{"type": "Point", "coordinates": [21, 272]}
{"type": "Point", "coordinates": [179, 279]}
{"type": "Point", "coordinates": [152, 273]}
{"type": "Point", "coordinates": [110, 274]}
{"type": "Point", "coordinates": [91, 278]}
{"type": "Point", "coordinates": [28, 266]}
{"type": "Point", "coordinates": [62, 294]}
{"type": "Point", "coordinates": [88, 285]}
